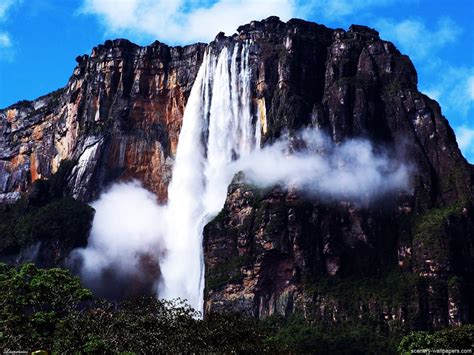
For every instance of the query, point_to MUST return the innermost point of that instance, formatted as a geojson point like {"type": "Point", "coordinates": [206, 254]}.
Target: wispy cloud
{"type": "Point", "coordinates": [416, 39]}
{"type": "Point", "coordinates": [5, 40]}
{"type": "Point", "coordinates": [186, 21]}
{"type": "Point", "coordinates": [341, 9]}
{"type": "Point", "coordinates": [183, 21]}
{"type": "Point", "coordinates": [5, 5]}
{"type": "Point", "coordinates": [453, 87]}
{"type": "Point", "coordinates": [470, 87]}
{"type": "Point", "coordinates": [6, 52]}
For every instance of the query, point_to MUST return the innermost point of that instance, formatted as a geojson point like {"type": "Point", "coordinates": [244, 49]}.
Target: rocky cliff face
{"type": "Point", "coordinates": [118, 117]}
{"type": "Point", "coordinates": [276, 251]}
{"type": "Point", "coordinates": [279, 252]}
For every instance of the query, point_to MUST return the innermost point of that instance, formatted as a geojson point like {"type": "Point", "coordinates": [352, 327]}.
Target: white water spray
{"type": "Point", "coordinates": [217, 129]}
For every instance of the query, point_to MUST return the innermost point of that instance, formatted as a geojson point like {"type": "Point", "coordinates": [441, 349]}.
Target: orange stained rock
{"type": "Point", "coordinates": [34, 168]}
{"type": "Point", "coordinates": [11, 115]}
{"type": "Point", "coordinates": [37, 133]}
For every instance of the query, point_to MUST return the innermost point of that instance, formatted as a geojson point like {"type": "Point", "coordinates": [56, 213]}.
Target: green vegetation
{"type": "Point", "coordinates": [49, 309]}
{"type": "Point", "coordinates": [33, 302]}
{"type": "Point", "coordinates": [22, 224]}
{"type": "Point", "coordinates": [360, 303]}
{"type": "Point", "coordinates": [432, 220]}
{"type": "Point", "coordinates": [453, 182]}
{"type": "Point", "coordinates": [453, 338]}
{"type": "Point", "coordinates": [429, 231]}
{"type": "Point", "coordinates": [390, 289]}
{"type": "Point", "coordinates": [297, 335]}
{"type": "Point", "coordinates": [224, 273]}
{"type": "Point", "coordinates": [44, 215]}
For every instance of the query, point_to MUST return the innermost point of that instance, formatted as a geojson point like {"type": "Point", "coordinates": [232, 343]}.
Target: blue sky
{"type": "Point", "coordinates": [39, 39]}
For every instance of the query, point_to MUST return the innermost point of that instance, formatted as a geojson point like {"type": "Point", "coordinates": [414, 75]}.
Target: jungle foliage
{"type": "Point", "coordinates": [49, 309]}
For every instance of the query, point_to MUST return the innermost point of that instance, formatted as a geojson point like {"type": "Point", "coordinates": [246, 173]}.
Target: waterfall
{"type": "Point", "coordinates": [131, 233]}
{"type": "Point", "coordinates": [217, 129]}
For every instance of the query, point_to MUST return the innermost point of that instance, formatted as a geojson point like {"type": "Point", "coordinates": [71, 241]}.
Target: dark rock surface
{"type": "Point", "coordinates": [276, 251]}
{"type": "Point", "coordinates": [273, 251]}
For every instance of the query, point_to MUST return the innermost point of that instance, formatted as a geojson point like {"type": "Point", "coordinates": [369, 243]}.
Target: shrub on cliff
{"type": "Point", "coordinates": [453, 338]}
{"type": "Point", "coordinates": [22, 224]}
{"type": "Point", "coordinates": [45, 215]}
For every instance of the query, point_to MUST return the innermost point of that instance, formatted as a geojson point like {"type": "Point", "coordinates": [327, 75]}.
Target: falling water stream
{"type": "Point", "coordinates": [217, 129]}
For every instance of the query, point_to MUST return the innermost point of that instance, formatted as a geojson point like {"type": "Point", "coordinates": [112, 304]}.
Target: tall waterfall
{"type": "Point", "coordinates": [217, 129]}
{"type": "Point", "coordinates": [218, 138]}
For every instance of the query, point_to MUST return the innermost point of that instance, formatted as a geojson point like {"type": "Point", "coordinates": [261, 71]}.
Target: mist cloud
{"type": "Point", "coordinates": [312, 163]}
{"type": "Point", "coordinates": [125, 241]}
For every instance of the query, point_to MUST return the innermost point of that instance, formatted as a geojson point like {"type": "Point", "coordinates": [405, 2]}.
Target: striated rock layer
{"type": "Point", "coordinates": [404, 261]}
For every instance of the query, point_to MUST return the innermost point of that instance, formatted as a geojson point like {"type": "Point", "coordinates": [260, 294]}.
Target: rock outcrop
{"type": "Point", "coordinates": [276, 251]}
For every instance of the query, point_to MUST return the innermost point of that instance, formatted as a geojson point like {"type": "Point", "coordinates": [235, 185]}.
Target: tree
{"type": "Point", "coordinates": [33, 301]}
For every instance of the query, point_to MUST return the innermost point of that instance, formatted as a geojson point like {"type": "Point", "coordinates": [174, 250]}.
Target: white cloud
{"type": "Point", "coordinates": [125, 237]}
{"type": "Point", "coordinates": [415, 38]}
{"type": "Point", "coordinates": [453, 87]}
{"type": "Point", "coordinates": [5, 5]}
{"type": "Point", "coordinates": [186, 21]}
{"type": "Point", "coordinates": [183, 21]}
{"type": "Point", "coordinates": [470, 87]}
{"type": "Point", "coordinates": [465, 137]}
{"type": "Point", "coordinates": [351, 170]}
{"type": "Point", "coordinates": [5, 40]}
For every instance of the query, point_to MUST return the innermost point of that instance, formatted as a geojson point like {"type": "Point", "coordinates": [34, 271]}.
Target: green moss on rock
{"type": "Point", "coordinates": [225, 273]}
{"type": "Point", "coordinates": [390, 289]}
{"type": "Point", "coordinates": [429, 230]}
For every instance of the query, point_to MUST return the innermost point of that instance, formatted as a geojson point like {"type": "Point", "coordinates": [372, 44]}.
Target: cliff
{"type": "Point", "coordinates": [276, 251]}
{"type": "Point", "coordinates": [118, 117]}
{"type": "Point", "coordinates": [401, 262]}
